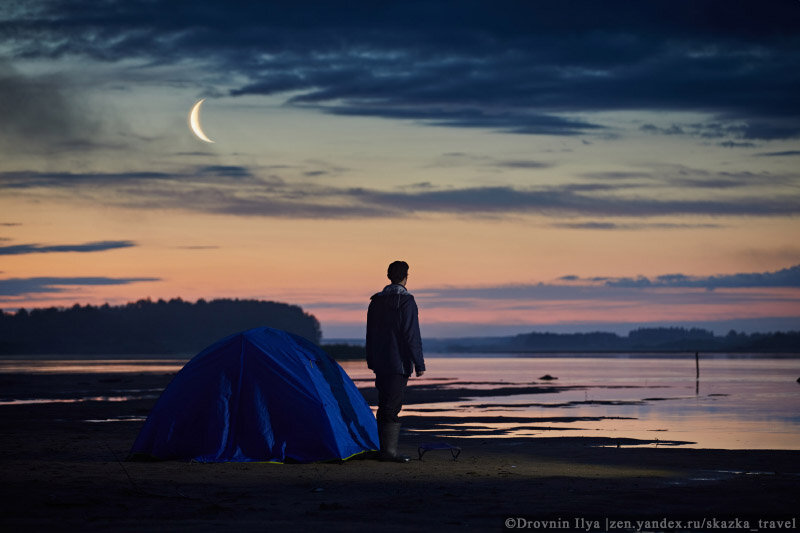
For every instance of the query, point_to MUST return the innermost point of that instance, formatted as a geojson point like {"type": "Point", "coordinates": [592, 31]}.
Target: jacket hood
{"type": "Point", "coordinates": [390, 290]}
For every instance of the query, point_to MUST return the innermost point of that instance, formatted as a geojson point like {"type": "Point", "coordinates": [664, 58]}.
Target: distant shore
{"type": "Point", "coordinates": [344, 355]}
{"type": "Point", "coordinates": [62, 469]}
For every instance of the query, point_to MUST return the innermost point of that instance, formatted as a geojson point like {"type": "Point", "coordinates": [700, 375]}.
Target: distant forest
{"type": "Point", "coordinates": [145, 327]}
{"type": "Point", "coordinates": [639, 340]}
{"type": "Point", "coordinates": [180, 327]}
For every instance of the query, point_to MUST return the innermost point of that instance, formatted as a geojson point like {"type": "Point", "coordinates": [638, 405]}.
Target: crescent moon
{"type": "Point", "coordinates": [194, 122]}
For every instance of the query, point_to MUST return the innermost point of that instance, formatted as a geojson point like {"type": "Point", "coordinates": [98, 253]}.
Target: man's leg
{"type": "Point", "coordinates": [391, 388]}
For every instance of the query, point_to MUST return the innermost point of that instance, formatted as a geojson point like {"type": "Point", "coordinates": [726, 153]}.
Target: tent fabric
{"type": "Point", "coordinates": [259, 395]}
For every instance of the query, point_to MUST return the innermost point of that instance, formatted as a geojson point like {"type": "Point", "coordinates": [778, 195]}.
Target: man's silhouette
{"type": "Point", "coordinates": [394, 350]}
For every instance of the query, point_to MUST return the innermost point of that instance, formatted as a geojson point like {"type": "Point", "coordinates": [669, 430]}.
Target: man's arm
{"type": "Point", "coordinates": [370, 335]}
{"type": "Point", "coordinates": [412, 336]}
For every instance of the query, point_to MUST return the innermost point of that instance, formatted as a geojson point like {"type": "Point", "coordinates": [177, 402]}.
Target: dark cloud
{"type": "Point", "coordinates": [687, 178]}
{"type": "Point", "coordinates": [773, 128]}
{"type": "Point", "coordinates": [672, 130]}
{"type": "Point", "coordinates": [525, 164]}
{"type": "Point", "coordinates": [618, 175]}
{"type": "Point", "coordinates": [195, 154]}
{"type": "Point", "coordinates": [734, 144]}
{"type": "Point", "coordinates": [727, 180]}
{"type": "Point", "coordinates": [272, 196]}
{"type": "Point", "coordinates": [745, 130]}
{"type": "Point", "coordinates": [39, 111]}
{"type": "Point", "coordinates": [455, 159]}
{"type": "Point", "coordinates": [787, 277]}
{"type": "Point", "coordinates": [523, 67]}
{"type": "Point", "coordinates": [509, 122]}
{"type": "Point", "coordinates": [603, 290]}
{"type": "Point", "coordinates": [631, 226]}
{"type": "Point", "coordinates": [10, 224]}
{"type": "Point", "coordinates": [27, 286]}
{"type": "Point", "coordinates": [99, 246]}
{"type": "Point", "coordinates": [785, 153]}
{"type": "Point", "coordinates": [565, 201]}
{"type": "Point", "coordinates": [225, 171]}
{"type": "Point", "coordinates": [26, 179]}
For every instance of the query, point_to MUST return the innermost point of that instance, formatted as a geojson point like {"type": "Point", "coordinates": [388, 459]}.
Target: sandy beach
{"type": "Point", "coordinates": [65, 470]}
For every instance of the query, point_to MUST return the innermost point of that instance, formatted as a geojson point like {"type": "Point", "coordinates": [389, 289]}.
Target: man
{"type": "Point", "coordinates": [394, 350]}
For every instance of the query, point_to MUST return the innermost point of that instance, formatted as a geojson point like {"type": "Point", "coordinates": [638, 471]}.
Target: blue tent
{"type": "Point", "coordinates": [259, 395]}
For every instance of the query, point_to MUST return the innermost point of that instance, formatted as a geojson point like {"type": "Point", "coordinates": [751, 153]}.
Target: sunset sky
{"type": "Point", "coordinates": [542, 166]}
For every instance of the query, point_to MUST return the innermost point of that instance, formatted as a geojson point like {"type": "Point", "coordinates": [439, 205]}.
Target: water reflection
{"type": "Point", "coordinates": [117, 419]}
{"type": "Point", "coordinates": [37, 401]}
{"type": "Point", "coordinates": [737, 403]}
{"type": "Point", "coordinates": [83, 366]}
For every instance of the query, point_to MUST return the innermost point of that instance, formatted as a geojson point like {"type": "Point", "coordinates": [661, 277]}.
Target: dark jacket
{"type": "Point", "coordinates": [394, 345]}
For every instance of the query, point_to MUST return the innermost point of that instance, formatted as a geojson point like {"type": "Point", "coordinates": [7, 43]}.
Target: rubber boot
{"type": "Point", "coordinates": [389, 434]}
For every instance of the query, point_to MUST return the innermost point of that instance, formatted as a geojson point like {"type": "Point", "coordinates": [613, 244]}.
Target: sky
{"type": "Point", "coordinates": [542, 166]}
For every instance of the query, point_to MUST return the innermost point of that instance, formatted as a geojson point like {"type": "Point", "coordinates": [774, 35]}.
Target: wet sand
{"type": "Point", "coordinates": [61, 472]}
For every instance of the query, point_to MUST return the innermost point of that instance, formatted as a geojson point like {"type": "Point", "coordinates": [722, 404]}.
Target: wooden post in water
{"type": "Point", "coordinates": [697, 373]}
{"type": "Point", "coordinates": [697, 364]}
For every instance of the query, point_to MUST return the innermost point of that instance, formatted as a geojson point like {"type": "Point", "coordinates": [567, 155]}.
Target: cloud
{"type": "Point", "coordinates": [522, 163]}
{"type": "Point", "coordinates": [243, 192]}
{"type": "Point", "coordinates": [225, 171]}
{"type": "Point", "coordinates": [574, 287]}
{"type": "Point", "coordinates": [26, 179]}
{"type": "Point", "coordinates": [508, 122]}
{"type": "Point", "coordinates": [618, 175]}
{"type": "Point", "coordinates": [521, 67]}
{"type": "Point", "coordinates": [30, 179]}
{"type": "Point", "coordinates": [787, 277]}
{"type": "Point", "coordinates": [456, 159]}
{"type": "Point", "coordinates": [734, 144]}
{"type": "Point", "coordinates": [565, 201]}
{"type": "Point", "coordinates": [631, 226]}
{"type": "Point", "coordinates": [747, 129]}
{"type": "Point", "coordinates": [38, 285]}
{"type": "Point", "coordinates": [41, 111]}
{"type": "Point", "coordinates": [674, 129]}
{"type": "Point", "coordinates": [98, 246]}
{"type": "Point", "coordinates": [683, 177]}
{"type": "Point", "coordinates": [571, 298]}
{"type": "Point", "coordinates": [784, 278]}
{"type": "Point", "coordinates": [785, 153]}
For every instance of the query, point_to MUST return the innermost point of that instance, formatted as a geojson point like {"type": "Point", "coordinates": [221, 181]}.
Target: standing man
{"type": "Point", "coordinates": [394, 349]}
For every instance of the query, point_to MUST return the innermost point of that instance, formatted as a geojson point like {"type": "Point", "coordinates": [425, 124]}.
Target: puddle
{"type": "Point", "coordinates": [37, 401]}
{"type": "Point", "coordinates": [118, 419]}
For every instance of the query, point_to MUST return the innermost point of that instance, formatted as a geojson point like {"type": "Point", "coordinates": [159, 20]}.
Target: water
{"type": "Point", "coordinates": [87, 365]}
{"type": "Point", "coordinates": [738, 403]}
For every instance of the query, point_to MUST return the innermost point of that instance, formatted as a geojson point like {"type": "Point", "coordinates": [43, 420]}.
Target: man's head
{"type": "Point", "coordinates": [398, 272]}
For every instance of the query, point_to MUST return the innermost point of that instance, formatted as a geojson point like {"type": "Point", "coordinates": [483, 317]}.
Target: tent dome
{"type": "Point", "coordinates": [259, 395]}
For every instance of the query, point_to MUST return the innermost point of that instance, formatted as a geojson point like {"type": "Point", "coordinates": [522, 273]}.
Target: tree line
{"type": "Point", "coordinates": [146, 327]}
{"type": "Point", "coordinates": [638, 340]}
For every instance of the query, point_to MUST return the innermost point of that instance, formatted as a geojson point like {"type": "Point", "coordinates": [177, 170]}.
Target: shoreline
{"type": "Point", "coordinates": [63, 473]}
{"type": "Point", "coordinates": [616, 354]}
